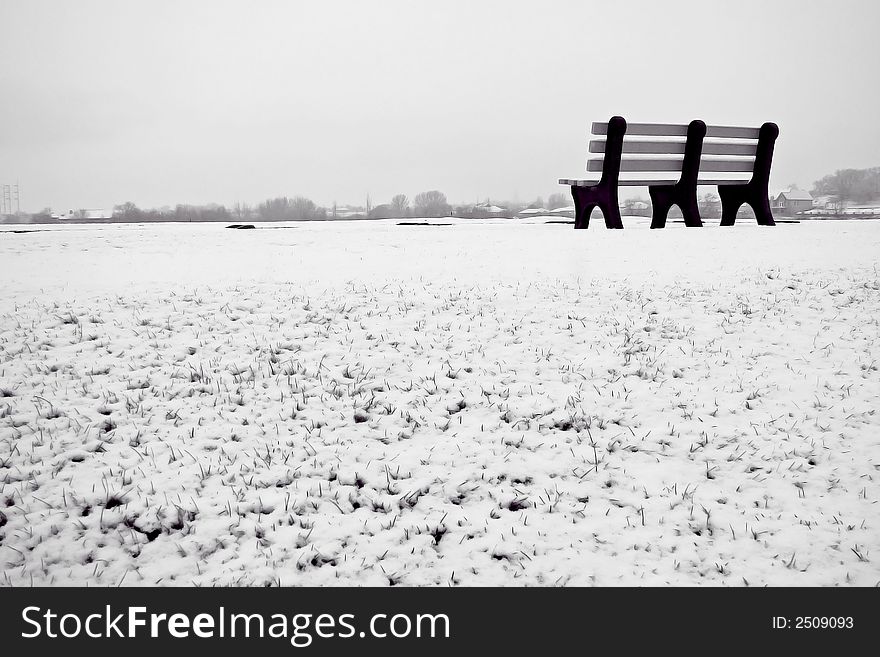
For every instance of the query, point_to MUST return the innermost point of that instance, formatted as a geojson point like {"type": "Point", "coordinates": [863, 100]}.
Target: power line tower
{"type": "Point", "coordinates": [10, 198]}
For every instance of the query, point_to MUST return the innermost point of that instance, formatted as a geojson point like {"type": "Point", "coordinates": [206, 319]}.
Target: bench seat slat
{"type": "Point", "coordinates": [744, 164]}
{"type": "Point", "coordinates": [673, 130]}
{"type": "Point", "coordinates": [576, 182]}
{"type": "Point", "coordinates": [677, 148]}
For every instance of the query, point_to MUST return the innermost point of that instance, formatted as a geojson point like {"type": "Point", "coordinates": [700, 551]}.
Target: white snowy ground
{"type": "Point", "coordinates": [482, 403]}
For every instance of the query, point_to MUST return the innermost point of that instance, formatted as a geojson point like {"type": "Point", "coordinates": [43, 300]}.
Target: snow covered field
{"type": "Point", "coordinates": [475, 404]}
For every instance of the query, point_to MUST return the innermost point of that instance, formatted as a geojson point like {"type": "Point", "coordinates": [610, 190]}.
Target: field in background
{"type": "Point", "coordinates": [481, 403]}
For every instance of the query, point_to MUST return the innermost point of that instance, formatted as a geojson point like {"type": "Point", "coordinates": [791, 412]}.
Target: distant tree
{"type": "Point", "coordinates": [537, 204]}
{"type": "Point", "coordinates": [214, 212]}
{"type": "Point", "coordinates": [431, 204]}
{"type": "Point", "coordinates": [241, 211]}
{"type": "Point", "coordinates": [850, 186]}
{"type": "Point", "coordinates": [558, 200]}
{"type": "Point", "coordinates": [275, 209]}
{"type": "Point", "coordinates": [302, 209]}
{"type": "Point", "coordinates": [286, 209]}
{"type": "Point", "coordinates": [44, 216]}
{"type": "Point", "coordinates": [400, 203]}
{"type": "Point", "coordinates": [128, 211]}
{"type": "Point", "coordinates": [210, 212]}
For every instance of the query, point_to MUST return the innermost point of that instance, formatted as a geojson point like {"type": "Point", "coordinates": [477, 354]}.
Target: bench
{"type": "Point", "coordinates": [735, 159]}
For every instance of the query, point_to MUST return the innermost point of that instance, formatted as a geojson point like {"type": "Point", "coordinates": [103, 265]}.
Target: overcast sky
{"type": "Point", "coordinates": [166, 102]}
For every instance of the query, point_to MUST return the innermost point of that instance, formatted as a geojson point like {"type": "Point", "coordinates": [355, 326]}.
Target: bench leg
{"type": "Point", "coordinates": [762, 212]}
{"type": "Point", "coordinates": [732, 197]}
{"type": "Point", "coordinates": [586, 199]}
{"type": "Point", "coordinates": [612, 214]}
{"type": "Point", "coordinates": [735, 196]}
{"type": "Point", "coordinates": [690, 209]}
{"type": "Point", "coordinates": [582, 216]}
{"type": "Point", "coordinates": [661, 202]}
{"type": "Point", "coordinates": [582, 207]}
{"type": "Point", "coordinates": [663, 197]}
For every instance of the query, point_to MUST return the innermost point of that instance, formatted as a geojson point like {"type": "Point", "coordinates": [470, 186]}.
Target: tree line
{"type": "Point", "coordinates": [850, 186]}
{"type": "Point", "coordinates": [431, 203]}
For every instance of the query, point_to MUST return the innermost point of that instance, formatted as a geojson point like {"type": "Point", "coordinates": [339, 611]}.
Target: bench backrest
{"type": "Point", "coordinates": [659, 148]}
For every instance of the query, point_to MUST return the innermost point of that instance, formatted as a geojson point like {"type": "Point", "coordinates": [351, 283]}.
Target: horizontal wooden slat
{"type": "Point", "coordinates": [729, 148]}
{"type": "Point", "coordinates": [731, 132]}
{"type": "Point", "coordinates": [674, 130]}
{"type": "Point", "coordinates": [640, 165]}
{"type": "Point", "coordinates": [644, 147]}
{"type": "Point", "coordinates": [646, 129]}
{"type": "Point", "coordinates": [647, 183]}
{"type": "Point", "coordinates": [675, 165]}
{"type": "Point", "coordinates": [676, 148]}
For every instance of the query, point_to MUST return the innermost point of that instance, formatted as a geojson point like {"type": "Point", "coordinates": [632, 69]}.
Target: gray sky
{"type": "Point", "coordinates": [167, 102]}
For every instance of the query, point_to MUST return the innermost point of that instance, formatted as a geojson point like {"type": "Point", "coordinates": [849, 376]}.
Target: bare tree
{"type": "Point", "coordinates": [431, 204]}
{"type": "Point", "coordinates": [241, 211]}
{"type": "Point", "coordinates": [302, 208]}
{"type": "Point", "coordinates": [286, 209]}
{"type": "Point", "coordinates": [128, 211]}
{"type": "Point", "coordinates": [557, 200]}
{"type": "Point", "coordinates": [400, 203]}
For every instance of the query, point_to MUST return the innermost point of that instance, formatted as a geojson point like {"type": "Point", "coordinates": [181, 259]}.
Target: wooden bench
{"type": "Point", "coordinates": [735, 159]}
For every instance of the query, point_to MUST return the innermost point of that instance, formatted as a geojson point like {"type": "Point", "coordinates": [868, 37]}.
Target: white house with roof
{"type": "Point", "coordinates": [567, 211]}
{"type": "Point", "coordinates": [91, 214]}
{"type": "Point", "coordinates": [532, 212]}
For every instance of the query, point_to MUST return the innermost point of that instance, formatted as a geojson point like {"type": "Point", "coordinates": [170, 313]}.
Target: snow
{"type": "Point", "coordinates": [486, 403]}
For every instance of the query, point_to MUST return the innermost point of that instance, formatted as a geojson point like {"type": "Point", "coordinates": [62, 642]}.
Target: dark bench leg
{"type": "Point", "coordinates": [691, 212]}
{"type": "Point", "coordinates": [761, 206]}
{"type": "Point", "coordinates": [754, 192]}
{"type": "Point", "coordinates": [586, 199]}
{"type": "Point", "coordinates": [582, 208]}
{"type": "Point", "coordinates": [663, 197]}
{"type": "Point", "coordinates": [611, 210]}
{"type": "Point", "coordinates": [661, 202]}
{"type": "Point", "coordinates": [733, 197]}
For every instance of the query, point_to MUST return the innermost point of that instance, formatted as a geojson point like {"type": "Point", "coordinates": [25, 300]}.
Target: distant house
{"type": "Point", "coordinates": [567, 211]}
{"type": "Point", "coordinates": [384, 211]}
{"type": "Point", "coordinates": [532, 212]}
{"type": "Point", "coordinates": [347, 212]}
{"type": "Point", "coordinates": [82, 215]}
{"type": "Point", "coordinates": [828, 202]}
{"type": "Point", "coordinates": [489, 210]}
{"type": "Point", "coordinates": [792, 201]}
{"type": "Point", "coordinates": [481, 211]}
{"type": "Point", "coordinates": [635, 208]}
